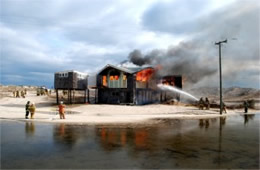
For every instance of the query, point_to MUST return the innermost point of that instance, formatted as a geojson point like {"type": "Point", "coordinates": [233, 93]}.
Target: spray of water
{"type": "Point", "coordinates": [174, 89]}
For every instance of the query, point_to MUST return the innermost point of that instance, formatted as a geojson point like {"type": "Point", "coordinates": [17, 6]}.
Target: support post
{"type": "Point", "coordinates": [73, 101]}
{"type": "Point", "coordinates": [68, 96]}
{"type": "Point", "coordinates": [88, 95]}
{"type": "Point", "coordinates": [220, 81]}
{"type": "Point", "coordinates": [57, 96]}
{"type": "Point", "coordinates": [220, 75]}
{"type": "Point", "coordinates": [85, 96]}
{"type": "Point", "coordinates": [95, 96]}
{"type": "Point", "coordinates": [70, 101]}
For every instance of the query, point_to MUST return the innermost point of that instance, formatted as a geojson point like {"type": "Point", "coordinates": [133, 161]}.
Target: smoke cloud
{"type": "Point", "coordinates": [197, 58]}
{"type": "Point", "coordinates": [178, 60]}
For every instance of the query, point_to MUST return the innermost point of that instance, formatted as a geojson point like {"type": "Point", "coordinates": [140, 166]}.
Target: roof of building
{"type": "Point", "coordinates": [130, 70]}
{"type": "Point", "coordinates": [68, 71]}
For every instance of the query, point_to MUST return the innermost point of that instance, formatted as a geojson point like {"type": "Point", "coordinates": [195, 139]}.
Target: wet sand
{"type": "Point", "coordinates": [14, 109]}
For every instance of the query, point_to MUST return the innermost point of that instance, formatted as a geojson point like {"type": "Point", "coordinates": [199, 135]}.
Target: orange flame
{"type": "Point", "coordinates": [104, 80]}
{"type": "Point", "coordinates": [169, 81]}
{"type": "Point", "coordinates": [144, 75]}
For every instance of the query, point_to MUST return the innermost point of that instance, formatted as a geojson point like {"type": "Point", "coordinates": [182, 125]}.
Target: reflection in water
{"type": "Point", "coordinates": [65, 134]}
{"type": "Point", "coordinates": [222, 122]}
{"type": "Point", "coordinates": [247, 118]}
{"type": "Point", "coordinates": [123, 137]}
{"type": "Point", "coordinates": [141, 138]}
{"type": "Point", "coordinates": [29, 128]}
{"type": "Point", "coordinates": [111, 138]}
{"type": "Point", "coordinates": [108, 138]}
{"type": "Point", "coordinates": [219, 143]}
{"type": "Point", "coordinates": [205, 123]}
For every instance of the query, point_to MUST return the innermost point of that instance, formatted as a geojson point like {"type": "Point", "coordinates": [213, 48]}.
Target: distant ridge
{"type": "Point", "coordinates": [231, 93]}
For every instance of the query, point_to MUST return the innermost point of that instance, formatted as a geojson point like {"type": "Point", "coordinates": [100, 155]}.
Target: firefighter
{"type": "Point", "coordinates": [17, 93]}
{"type": "Point", "coordinates": [46, 92]}
{"type": "Point", "coordinates": [27, 109]}
{"type": "Point", "coordinates": [201, 104]}
{"type": "Point", "coordinates": [246, 105]}
{"type": "Point", "coordinates": [22, 94]}
{"type": "Point", "coordinates": [32, 109]}
{"type": "Point", "coordinates": [62, 110]}
{"type": "Point", "coordinates": [224, 107]}
{"type": "Point", "coordinates": [42, 92]}
{"type": "Point", "coordinates": [38, 92]}
{"type": "Point", "coordinates": [207, 104]}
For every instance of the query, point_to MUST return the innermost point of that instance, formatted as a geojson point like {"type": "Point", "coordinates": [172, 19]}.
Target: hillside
{"type": "Point", "coordinates": [229, 94]}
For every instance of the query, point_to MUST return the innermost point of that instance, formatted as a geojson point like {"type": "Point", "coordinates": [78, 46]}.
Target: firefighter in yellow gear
{"type": "Point", "coordinates": [17, 94]}
{"type": "Point", "coordinates": [22, 94]}
{"type": "Point", "coordinates": [32, 109]}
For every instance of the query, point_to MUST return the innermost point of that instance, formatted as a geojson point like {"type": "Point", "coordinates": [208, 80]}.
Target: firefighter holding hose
{"type": "Point", "coordinates": [201, 104]}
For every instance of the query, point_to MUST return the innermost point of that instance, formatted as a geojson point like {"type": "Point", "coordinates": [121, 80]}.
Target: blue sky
{"type": "Point", "coordinates": [40, 37]}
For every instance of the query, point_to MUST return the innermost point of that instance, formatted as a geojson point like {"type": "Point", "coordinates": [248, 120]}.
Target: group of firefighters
{"type": "Point", "coordinates": [206, 104]}
{"type": "Point", "coordinates": [18, 93]}
{"type": "Point", "coordinates": [23, 93]}
{"type": "Point", "coordinates": [43, 92]}
{"type": "Point", "coordinates": [203, 104]}
{"type": "Point", "coordinates": [31, 108]}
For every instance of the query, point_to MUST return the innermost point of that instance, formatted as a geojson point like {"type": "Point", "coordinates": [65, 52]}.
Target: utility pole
{"type": "Point", "coordinates": [220, 74]}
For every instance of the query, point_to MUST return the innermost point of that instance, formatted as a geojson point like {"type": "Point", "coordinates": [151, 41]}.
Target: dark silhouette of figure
{"type": "Point", "coordinates": [207, 104]}
{"type": "Point", "coordinates": [17, 94]}
{"type": "Point", "coordinates": [201, 104]}
{"type": "Point", "coordinates": [27, 111]}
{"type": "Point", "coordinates": [207, 123]}
{"type": "Point", "coordinates": [247, 118]}
{"type": "Point", "coordinates": [204, 123]}
{"type": "Point", "coordinates": [224, 107]}
{"type": "Point", "coordinates": [246, 105]}
{"type": "Point", "coordinates": [201, 123]}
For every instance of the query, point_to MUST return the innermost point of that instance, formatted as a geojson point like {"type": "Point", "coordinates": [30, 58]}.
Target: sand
{"type": "Point", "coordinates": [14, 109]}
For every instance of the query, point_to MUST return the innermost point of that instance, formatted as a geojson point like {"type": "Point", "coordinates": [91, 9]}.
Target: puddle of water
{"type": "Point", "coordinates": [231, 142]}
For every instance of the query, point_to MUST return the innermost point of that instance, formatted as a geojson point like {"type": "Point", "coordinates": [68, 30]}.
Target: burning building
{"type": "Point", "coordinates": [136, 85]}
{"type": "Point", "coordinates": [117, 85]}
{"type": "Point", "coordinates": [171, 80]}
{"type": "Point", "coordinates": [121, 85]}
{"type": "Point", "coordinates": [70, 82]}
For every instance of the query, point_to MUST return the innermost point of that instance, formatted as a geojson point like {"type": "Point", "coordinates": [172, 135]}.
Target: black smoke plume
{"type": "Point", "coordinates": [182, 59]}
{"type": "Point", "coordinates": [197, 59]}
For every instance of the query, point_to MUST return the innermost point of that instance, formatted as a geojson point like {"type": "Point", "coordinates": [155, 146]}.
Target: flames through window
{"type": "Point", "coordinates": [114, 79]}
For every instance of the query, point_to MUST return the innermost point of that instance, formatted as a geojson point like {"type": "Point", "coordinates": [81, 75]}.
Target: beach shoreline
{"type": "Point", "coordinates": [91, 114]}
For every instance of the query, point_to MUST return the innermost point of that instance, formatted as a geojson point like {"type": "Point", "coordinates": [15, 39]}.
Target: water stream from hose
{"type": "Point", "coordinates": [174, 89]}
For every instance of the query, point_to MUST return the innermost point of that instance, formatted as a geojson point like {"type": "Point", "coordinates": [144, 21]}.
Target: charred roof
{"type": "Point", "coordinates": [130, 70]}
